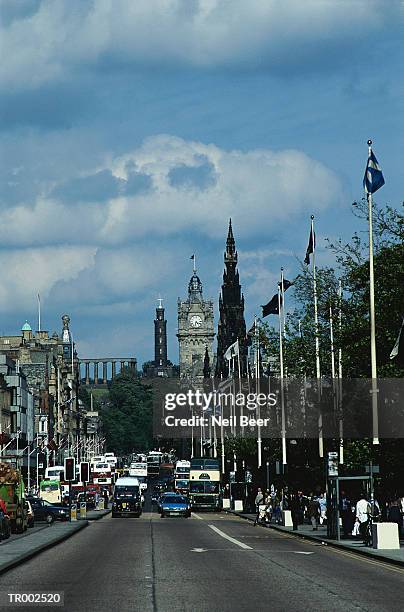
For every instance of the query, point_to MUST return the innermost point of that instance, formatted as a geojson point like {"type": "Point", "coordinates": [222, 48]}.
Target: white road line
{"type": "Point", "coordinates": [227, 537]}
{"type": "Point", "coordinates": [197, 516]}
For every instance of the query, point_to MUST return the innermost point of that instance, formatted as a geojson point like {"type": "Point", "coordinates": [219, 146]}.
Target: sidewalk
{"type": "Point", "coordinates": [16, 551]}
{"type": "Point", "coordinates": [357, 546]}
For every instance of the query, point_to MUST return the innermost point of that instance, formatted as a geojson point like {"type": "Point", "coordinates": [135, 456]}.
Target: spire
{"type": "Point", "coordinates": [231, 253]}
{"type": "Point", "coordinates": [195, 289]}
{"type": "Point", "coordinates": [206, 364]}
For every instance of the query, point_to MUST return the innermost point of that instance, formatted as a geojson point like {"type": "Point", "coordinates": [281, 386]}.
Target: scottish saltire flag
{"type": "Point", "coordinates": [373, 179]}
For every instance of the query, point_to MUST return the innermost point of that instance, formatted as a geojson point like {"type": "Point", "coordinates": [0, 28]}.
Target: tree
{"type": "Point", "coordinates": [127, 417]}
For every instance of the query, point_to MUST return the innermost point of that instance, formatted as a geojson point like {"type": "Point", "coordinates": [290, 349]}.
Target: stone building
{"type": "Point", "coordinates": [195, 331]}
{"type": "Point", "coordinates": [51, 368]}
{"type": "Point", "coordinates": [16, 411]}
{"type": "Point", "coordinates": [231, 325]}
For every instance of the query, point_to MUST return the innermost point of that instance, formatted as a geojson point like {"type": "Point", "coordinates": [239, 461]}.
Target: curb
{"type": "Point", "coordinates": [99, 516]}
{"type": "Point", "coordinates": [330, 543]}
{"type": "Point", "coordinates": [5, 567]}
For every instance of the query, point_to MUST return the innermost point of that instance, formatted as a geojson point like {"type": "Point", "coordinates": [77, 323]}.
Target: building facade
{"type": "Point", "coordinates": [195, 331]}
{"type": "Point", "coordinates": [51, 369]}
{"type": "Point", "coordinates": [231, 325]}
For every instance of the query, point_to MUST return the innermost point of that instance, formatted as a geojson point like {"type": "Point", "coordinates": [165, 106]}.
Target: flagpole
{"type": "Point", "coordinates": [39, 312]}
{"type": "Point", "coordinates": [318, 369]}
{"type": "Point", "coordinates": [257, 384]}
{"type": "Point", "coordinates": [239, 385]}
{"type": "Point", "coordinates": [283, 303]}
{"type": "Point", "coordinates": [372, 318]}
{"type": "Point", "coordinates": [283, 432]}
{"type": "Point", "coordinates": [341, 424]}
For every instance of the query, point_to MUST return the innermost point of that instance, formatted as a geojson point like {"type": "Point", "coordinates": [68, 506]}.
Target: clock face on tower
{"type": "Point", "coordinates": [196, 321]}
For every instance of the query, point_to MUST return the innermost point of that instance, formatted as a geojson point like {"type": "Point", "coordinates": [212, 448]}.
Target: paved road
{"type": "Point", "coordinates": [206, 563]}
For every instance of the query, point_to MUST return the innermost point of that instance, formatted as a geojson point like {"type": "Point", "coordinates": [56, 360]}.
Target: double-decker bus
{"type": "Point", "coordinates": [181, 476]}
{"type": "Point", "coordinates": [204, 484]}
{"type": "Point", "coordinates": [154, 458]}
{"type": "Point", "coordinates": [101, 473]}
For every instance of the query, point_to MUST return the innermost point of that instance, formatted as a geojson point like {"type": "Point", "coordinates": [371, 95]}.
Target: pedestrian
{"type": "Point", "coordinates": [268, 506]}
{"type": "Point", "coordinates": [345, 508]}
{"type": "Point", "coordinates": [313, 511]}
{"type": "Point", "coordinates": [277, 508]}
{"type": "Point", "coordinates": [294, 507]}
{"type": "Point", "coordinates": [395, 515]}
{"type": "Point", "coordinates": [3, 506]}
{"type": "Point", "coordinates": [259, 499]}
{"type": "Point", "coordinates": [106, 498]}
{"type": "Point", "coordinates": [302, 506]}
{"type": "Point", "coordinates": [322, 500]}
{"type": "Point", "coordinates": [362, 514]}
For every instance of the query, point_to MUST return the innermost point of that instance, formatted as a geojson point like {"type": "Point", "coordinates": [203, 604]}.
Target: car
{"type": "Point", "coordinates": [30, 513]}
{"type": "Point", "coordinates": [175, 505]}
{"type": "Point", "coordinates": [89, 498]}
{"type": "Point", "coordinates": [164, 495]}
{"type": "Point", "coordinates": [5, 527]}
{"type": "Point", "coordinates": [45, 511]}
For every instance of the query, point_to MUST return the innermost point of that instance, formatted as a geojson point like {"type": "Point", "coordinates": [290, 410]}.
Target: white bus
{"type": "Point", "coordinates": [53, 473]}
{"type": "Point", "coordinates": [139, 470]}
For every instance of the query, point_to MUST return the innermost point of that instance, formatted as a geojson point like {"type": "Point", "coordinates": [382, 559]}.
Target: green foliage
{"type": "Point", "coordinates": [127, 416]}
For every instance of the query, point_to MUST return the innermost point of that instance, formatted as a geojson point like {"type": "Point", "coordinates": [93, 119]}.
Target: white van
{"type": "Point", "coordinates": [128, 499]}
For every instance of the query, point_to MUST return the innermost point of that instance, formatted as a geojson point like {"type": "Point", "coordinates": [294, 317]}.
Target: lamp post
{"type": "Point", "coordinates": [267, 475]}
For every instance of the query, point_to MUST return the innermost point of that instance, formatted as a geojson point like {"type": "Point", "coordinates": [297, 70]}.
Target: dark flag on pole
{"type": "Point", "coordinates": [373, 179]}
{"type": "Point", "coordinates": [272, 307]}
{"type": "Point", "coordinates": [397, 352]}
{"type": "Point", "coordinates": [286, 284]}
{"type": "Point", "coordinates": [311, 246]}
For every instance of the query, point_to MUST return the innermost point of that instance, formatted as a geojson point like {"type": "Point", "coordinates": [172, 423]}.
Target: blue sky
{"type": "Point", "coordinates": [131, 132]}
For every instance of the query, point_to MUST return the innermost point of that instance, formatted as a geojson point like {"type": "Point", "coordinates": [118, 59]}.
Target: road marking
{"type": "Point", "coordinates": [197, 516]}
{"type": "Point", "coordinates": [301, 552]}
{"type": "Point", "coordinates": [199, 550]}
{"type": "Point", "coordinates": [227, 537]}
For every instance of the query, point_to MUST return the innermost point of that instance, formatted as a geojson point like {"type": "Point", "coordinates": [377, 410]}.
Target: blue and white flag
{"type": "Point", "coordinates": [373, 179]}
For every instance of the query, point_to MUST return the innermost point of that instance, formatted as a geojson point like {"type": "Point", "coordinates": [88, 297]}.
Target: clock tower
{"type": "Point", "coordinates": [195, 330]}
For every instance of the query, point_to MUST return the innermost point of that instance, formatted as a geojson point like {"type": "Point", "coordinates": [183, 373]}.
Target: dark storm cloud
{"type": "Point", "coordinates": [201, 177]}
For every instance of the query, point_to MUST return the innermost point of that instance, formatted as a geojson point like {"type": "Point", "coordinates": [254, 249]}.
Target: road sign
{"type": "Point", "coordinates": [333, 464]}
{"type": "Point", "coordinates": [73, 512]}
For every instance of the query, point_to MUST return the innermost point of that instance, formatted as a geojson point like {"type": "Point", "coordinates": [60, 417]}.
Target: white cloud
{"type": "Point", "coordinates": [64, 36]}
{"type": "Point", "coordinates": [26, 272]}
{"type": "Point", "coordinates": [258, 188]}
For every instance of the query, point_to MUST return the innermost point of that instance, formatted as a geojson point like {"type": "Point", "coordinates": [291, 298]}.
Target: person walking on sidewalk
{"type": "Point", "coordinates": [362, 514]}
{"type": "Point", "coordinates": [294, 507]}
{"type": "Point", "coordinates": [313, 511]}
{"type": "Point", "coordinates": [259, 499]}
{"type": "Point", "coordinates": [346, 514]}
{"type": "Point", "coordinates": [395, 516]}
{"type": "Point", "coordinates": [322, 500]}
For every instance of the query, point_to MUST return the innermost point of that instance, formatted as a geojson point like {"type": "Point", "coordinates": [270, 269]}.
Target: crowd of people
{"type": "Point", "coordinates": [355, 514]}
